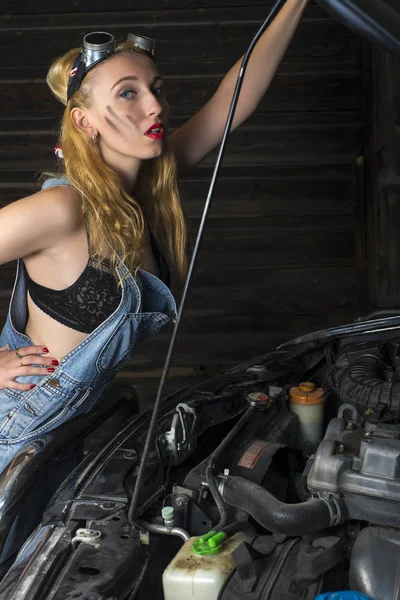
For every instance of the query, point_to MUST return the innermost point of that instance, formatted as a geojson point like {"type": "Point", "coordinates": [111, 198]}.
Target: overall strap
{"type": "Point", "coordinates": [53, 181]}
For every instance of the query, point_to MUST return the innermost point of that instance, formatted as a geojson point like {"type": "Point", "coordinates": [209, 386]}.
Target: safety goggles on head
{"type": "Point", "coordinates": [98, 46]}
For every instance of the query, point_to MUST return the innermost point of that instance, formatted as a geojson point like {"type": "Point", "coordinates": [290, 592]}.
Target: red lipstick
{"type": "Point", "coordinates": [156, 131]}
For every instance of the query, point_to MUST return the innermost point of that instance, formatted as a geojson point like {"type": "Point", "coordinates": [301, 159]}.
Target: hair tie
{"type": "Point", "coordinates": [58, 151]}
{"type": "Point", "coordinates": [73, 71]}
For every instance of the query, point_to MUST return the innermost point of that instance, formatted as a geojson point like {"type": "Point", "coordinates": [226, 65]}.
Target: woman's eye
{"type": "Point", "coordinates": [127, 94]}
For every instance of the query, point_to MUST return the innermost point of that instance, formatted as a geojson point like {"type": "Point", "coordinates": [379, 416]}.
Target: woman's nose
{"type": "Point", "coordinates": [153, 105]}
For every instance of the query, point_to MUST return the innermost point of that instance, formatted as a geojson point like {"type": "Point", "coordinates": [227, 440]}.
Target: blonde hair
{"type": "Point", "coordinates": [112, 216]}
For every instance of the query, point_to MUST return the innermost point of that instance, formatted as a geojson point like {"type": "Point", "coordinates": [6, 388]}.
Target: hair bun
{"type": "Point", "coordinates": [58, 74]}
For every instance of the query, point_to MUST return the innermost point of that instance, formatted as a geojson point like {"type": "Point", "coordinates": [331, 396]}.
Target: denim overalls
{"type": "Point", "coordinates": [86, 372]}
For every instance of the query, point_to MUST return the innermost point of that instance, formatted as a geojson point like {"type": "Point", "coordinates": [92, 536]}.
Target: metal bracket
{"type": "Point", "coordinates": [180, 441]}
{"type": "Point", "coordinates": [352, 409]}
{"type": "Point", "coordinates": [87, 536]}
{"type": "Point", "coordinates": [334, 509]}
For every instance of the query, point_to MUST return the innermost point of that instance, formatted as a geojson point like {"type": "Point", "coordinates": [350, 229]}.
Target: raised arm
{"type": "Point", "coordinates": [203, 132]}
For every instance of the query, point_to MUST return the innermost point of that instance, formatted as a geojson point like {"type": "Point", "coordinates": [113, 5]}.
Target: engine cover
{"type": "Point", "coordinates": [361, 466]}
{"type": "Point", "coordinates": [374, 563]}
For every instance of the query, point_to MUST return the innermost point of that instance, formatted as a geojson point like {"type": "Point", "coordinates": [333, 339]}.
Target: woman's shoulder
{"type": "Point", "coordinates": [57, 202]}
{"type": "Point", "coordinates": [61, 201]}
{"type": "Point", "coordinates": [42, 220]}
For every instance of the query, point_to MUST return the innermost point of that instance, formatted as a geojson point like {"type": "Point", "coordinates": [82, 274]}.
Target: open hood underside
{"type": "Point", "coordinates": [376, 20]}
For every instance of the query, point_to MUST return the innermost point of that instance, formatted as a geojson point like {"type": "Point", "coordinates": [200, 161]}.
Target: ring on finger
{"type": "Point", "coordinates": [20, 361]}
{"type": "Point", "coordinates": [17, 354]}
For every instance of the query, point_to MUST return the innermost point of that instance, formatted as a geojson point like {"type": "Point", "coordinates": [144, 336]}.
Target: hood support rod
{"type": "Point", "coordinates": [134, 500]}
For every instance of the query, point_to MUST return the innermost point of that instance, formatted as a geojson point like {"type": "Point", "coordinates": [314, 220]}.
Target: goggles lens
{"type": "Point", "coordinates": [97, 39]}
{"type": "Point", "coordinates": [143, 43]}
{"type": "Point", "coordinates": [96, 47]}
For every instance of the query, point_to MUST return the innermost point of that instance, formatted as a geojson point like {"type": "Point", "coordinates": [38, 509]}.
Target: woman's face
{"type": "Point", "coordinates": [129, 110]}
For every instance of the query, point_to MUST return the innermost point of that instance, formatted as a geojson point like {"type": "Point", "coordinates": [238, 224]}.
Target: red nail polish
{"type": "Point", "coordinates": [50, 370]}
{"type": "Point", "coordinates": [33, 385]}
{"type": "Point", "coordinates": [45, 349]}
{"type": "Point", "coordinates": [54, 362]}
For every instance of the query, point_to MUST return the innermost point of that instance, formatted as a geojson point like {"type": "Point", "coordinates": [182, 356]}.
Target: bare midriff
{"type": "Point", "coordinates": [46, 331]}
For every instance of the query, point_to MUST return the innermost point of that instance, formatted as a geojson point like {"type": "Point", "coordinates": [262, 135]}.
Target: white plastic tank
{"type": "Point", "coordinates": [191, 576]}
{"type": "Point", "coordinates": [308, 402]}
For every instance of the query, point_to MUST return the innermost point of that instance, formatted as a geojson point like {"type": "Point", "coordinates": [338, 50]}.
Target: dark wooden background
{"type": "Point", "coordinates": [296, 240]}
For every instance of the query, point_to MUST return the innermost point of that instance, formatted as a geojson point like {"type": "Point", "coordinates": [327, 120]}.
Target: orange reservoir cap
{"type": "Point", "coordinates": [307, 394]}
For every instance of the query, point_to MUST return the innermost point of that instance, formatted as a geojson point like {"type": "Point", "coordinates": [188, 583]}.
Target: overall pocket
{"type": "Point", "coordinates": [37, 412]}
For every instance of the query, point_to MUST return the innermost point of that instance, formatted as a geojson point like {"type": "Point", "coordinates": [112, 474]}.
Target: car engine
{"type": "Point", "coordinates": [318, 514]}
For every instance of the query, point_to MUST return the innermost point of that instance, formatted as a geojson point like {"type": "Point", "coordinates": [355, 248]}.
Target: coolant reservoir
{"type": "Point", "coordinates": [307, 402]}
{"type": "Point", "coordinates": [201, 576]}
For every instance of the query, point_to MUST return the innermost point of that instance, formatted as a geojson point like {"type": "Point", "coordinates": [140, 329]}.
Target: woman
{"type": "Point", "coordinates": [89, 286]}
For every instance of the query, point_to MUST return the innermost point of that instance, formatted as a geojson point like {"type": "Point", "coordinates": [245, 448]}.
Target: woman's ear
{"type": "Point", "coordinates": [81, 120]}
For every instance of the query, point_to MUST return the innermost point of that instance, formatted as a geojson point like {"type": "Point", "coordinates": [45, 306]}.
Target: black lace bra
{"type": "Point", "coordinates": [93, 297]}
{"type": "Point", "coordinates": [84, 304]}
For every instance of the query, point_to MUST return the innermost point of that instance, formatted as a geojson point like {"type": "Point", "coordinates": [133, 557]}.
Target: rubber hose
{"type": "Point", "coordinates": [276, 516]}
{"type": "Point", "coordinates": [214, 458]}
{"type": "Point", "coordinates": [363, 384]}
{"type": "Point", "coordinates": [239, 526]}
{"type": "Point", "coordinates": [216, 496]}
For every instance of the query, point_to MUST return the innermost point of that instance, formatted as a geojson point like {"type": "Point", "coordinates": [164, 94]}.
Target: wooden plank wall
{"type": "Point", "coordinates": [384, 180]}
{"type": "Point", "coordinates": [284, 250]}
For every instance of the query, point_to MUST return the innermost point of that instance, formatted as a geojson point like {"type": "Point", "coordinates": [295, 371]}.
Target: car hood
{"type": "Point", "coordinates": [376, 20]}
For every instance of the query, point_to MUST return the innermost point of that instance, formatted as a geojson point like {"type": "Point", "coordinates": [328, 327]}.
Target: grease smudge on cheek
{"type": "Point", "coordinates": [112, 125]}
{"type": "Point", "coordinates": [113, 114]}
{"type": "Point", "coordinates": [132, 120]}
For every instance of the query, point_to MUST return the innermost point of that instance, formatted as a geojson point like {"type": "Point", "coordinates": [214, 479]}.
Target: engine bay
{"type": "Point", "coordinates": [277, 480]}
{"type": "Point", "coordinates": [325, 510]}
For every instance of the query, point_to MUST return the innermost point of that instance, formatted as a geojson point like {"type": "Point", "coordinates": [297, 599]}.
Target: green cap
{"type": "Point", "coordinates": [168, 513]}
{"type": "Point", "coordinates": [210, 543]}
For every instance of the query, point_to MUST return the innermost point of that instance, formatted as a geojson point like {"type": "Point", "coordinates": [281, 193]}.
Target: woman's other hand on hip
{"type": "Point", "coordinates": [24, 361]}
